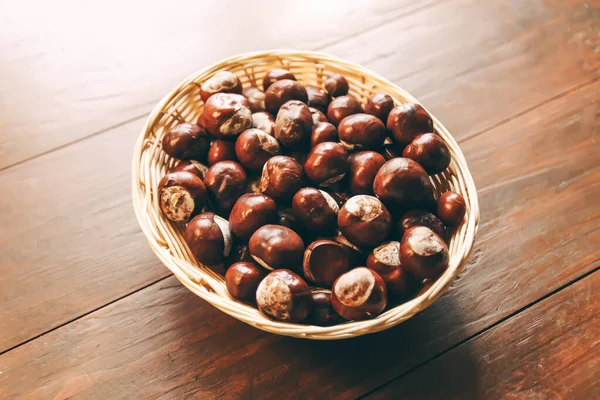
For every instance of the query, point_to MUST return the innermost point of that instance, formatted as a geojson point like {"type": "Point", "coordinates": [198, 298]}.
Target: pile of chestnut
{"type": "Point", "coordinates": [320, 208]}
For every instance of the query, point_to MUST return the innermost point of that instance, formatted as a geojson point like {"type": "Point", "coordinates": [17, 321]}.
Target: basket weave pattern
{"type": "Point", "coordinates": [184, 104]}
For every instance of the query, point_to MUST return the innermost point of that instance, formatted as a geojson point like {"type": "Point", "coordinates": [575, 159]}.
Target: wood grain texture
{"type": "Point", "coordinates": [550, 351]}
{"type": "Point", "coordinates": [163, 341]}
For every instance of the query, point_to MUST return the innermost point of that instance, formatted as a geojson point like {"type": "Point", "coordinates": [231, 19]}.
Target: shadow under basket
{"type": "Point", "coordinates": [184, 104]}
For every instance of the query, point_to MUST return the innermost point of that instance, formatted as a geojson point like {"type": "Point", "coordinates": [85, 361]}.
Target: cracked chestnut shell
{"type": "Point", "coordinates": [225, 182]}
{"type": "Point", "coordinates": [181, 194]}
{"type": "Point", "coordinates": [385, 260]}
{"type": "Point", "coordinates": [226, 115]}
{"type": "Point", "coordinates": [256, 99]}
{"type": "Point", "coordinates": [451, 208]}
{"type": "Point", "coordinates": [341, 107]}
{"type": "Point", "coordinates": [281, 92]}
{"type": "Point", "coordinates": [191, 166]}
{"type": "Point", "coordinates": [250, 212]}
{"type": "Point", "coordinates": [379, 105]}
{"type": "Point", "coordinates": [208, 238]}
{"type": "Point", "coordinates": [336, 85]}
{"type": "Point", "coordinates": [407, 121]}
{"type": "Point", "coordinates": [186, 141]}
{"type": "Point", "coordinates": [317, 116]}
{"type": "Point", "coordinates": [254, 147]}
{"type": "Point", "coordinates": [430, 151]}
{"type": "Point", "coordinates": [221, 150]}
{"type": "Point", "coordinates": [276, 75]}
{"type": "Point", "coordinates": [420, 218]}
{"type": "Point", "coordinates": [327, 163]}
{"type": "Point", "coordinates": [264, 121]}
{"type": "Point", "coordinates": [423, 253]}
{"type": "Point", "coordinates": [402, 184]}
{"type": "Point", "coordinates": [317, 98]}
{"type": "Point", "coordinates": [284, 296]}
{"type": "Point", "coordinates": [364, 221]}
{"type": "Point", "coordinates": [322, 312]}
{"type": "Point", "coordinates": [363, 168]}
{"type": "Point", "coordinates": [293, 125]}
{"type": "Point", "coordinates": [275, 247]}
{"type": "Point", "coordinates": [281, 178]}
{"type": "Point", "coordinates": [359, 294]}
{"type": "Point", "coordinates": [323, 132]}
{"type": "Point", "coordinates": [242, 280]}
{"type": "Point", "coordinates": [324, 261]}
{"type": "Point", "coordinates": [315, 209]}
{"type": "Point", "coordinates": [221, 82]}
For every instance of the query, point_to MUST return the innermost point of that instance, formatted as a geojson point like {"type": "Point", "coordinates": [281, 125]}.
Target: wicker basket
{"type": "Point", "coordinates": [166, 239]}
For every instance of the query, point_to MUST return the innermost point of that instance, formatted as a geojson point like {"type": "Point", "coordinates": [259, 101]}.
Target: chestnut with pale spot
{"type": "Point", "coordinates": [281, 92]}
{"type": "Point", "coordinates": [181, 195]}
{"type": "Point", "coordinates": [256, 99]}
{"type": "Point", "coordinates": [317, 98]}
{"type": "Point", "coordinates": [402, 184]}
{"type": "Point", "coordinates": [264, 121]}
{"type": "Point", "coordinates": [250, 212]}
{"type": "Point", "coordinates": [315, 209]}
{"type": "Point", "coordinates": [324, 261]}
{"type": "Point", "coordinates": [242, 280]}
{"type": "Point", "coordinates": [282, 177]}
{"type": "Point", "coordinates": [209, 238]}
{"type": "Point", "coordinates": [363, 169]}
{"type": "Point", "coordinates": [276, 75]}
{"type": "Point", "coordinates": [407, 121]}
{"type": "Point", "coordinates": [254, 147]}
{"type": "Point", "coordinates": [361, 132]}
{"type": "Point", "coordinates": [327, 163]}
{"type": "Point", "coordinates": [284, 296]}
{"type": "Point", "coordinates": [192, 166]}
{"type": "Point", "coordinates": [364, 221]}
{"type": "Point", "coordinates": [430, 151]}
{"type": "Point", "coordinates": [275, 247]}
{"type": "Point", "coordinates": [423, 253]}
{"type": "Point", "coordinates": [359, 294]}
{"type": "Point", "coordinates": [336, 85]}
{"type": "Point", "coordinates": [226, 115]}
{"type": "Point", "coordinates": [322, 313]}
{"type": "Point", "coordinates": [385, 260]}
{"type": "Point", "coordinates": [221, 82]}
{"type": "Point", "coordinates": [186, 141]}
{"type": "Point", "coordinates": [225, 183]}
{"type": "Point", "coordinates": [451, 208]}
{"type": "Point", "coordinates": [379, 105]}
{"type": "Point", "coordinates": [341, 107]}
{"type": "Point", "coordinates": [293, 125]}
{"type": "Point", "coordinates": [420, 218]}
{"type": "Point", "coordinates": [221, 150]}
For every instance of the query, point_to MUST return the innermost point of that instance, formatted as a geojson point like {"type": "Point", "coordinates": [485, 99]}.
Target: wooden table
{"type": "Point", "coordinates": [87, 311]}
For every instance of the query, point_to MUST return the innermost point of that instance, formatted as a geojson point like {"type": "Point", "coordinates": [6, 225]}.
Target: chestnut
{"type": "Point", "coordinates": [361, 132]}
{"type": "Point", "coordinates": [186, 141]}
{"type": "Point", "coordinates": [256, 99]}
{"type": "Point", "coordinates": [221, 82]}
{"type": "Point", "coordinates": [407, 121]}
{"type": "Point", "coordinates": [281, 178]}
{"type": "Point", "coordinates": [250, 212]}
{"type": "Point", "coordinates": [341, 107]}
{"type": "Point", "coordinates": [364, 221]}
{"type": "Point", "coordinates": [208, 238]}
{"type": "Point", "coordinates": [284, 296]}
{"type": "Point", "coordinates": [281, 92]}
{"type": "Point", "coordinates": [275, 247]}
{"type": "Point", "coordinates": [317, 98]}
{"type": "Point", "coordinates": [221, 150]}
{"type": "Point", "coordinates": [327, 163]}
{"type": "Point", "coordinates": [317, 115]}
{"type": "Point", "coordinates": [264, 121]}
{"type": "Point", "coordinates": [254, 147]}
{"type": "Point", "coordinates": [420, 218]}
{"type": "Point", "coordinates": [315, 209]}
{"type": "Point", "coordinates": [293, 125]}
{"type": "Point", "coordinates": [180, 195]}
{"type": "Point", "coordinates": [191, 166]}
{"type": "Point", "coordinates": [379, 105]}
{"type": "Point", "coordinates": [430, 151]}
{"type": "Point", "coordinates": [323, 132]}
{"type": "Point", "coordinates": [359, 294]}
{"type": "Point", "coordinates": [276, 75]}
{"type": "Point", "coordinates": [225, 181]}
{"type": "Point", "coordinates": [385, 260]}
{"type": "Point", "coordinates": [363, 168]}
{"type": "Point", "coordinates": [242, 280]}
{"type": "Point", "coordinates": [423, 253]}
{"type": "Point", "coordinates": [226, 115]}
{"type": "Point", "coordinates": [324, 261]}
{"type": "Point", "coordinates": [451, 208]}
{"type": "Point", "coordinates": [402, 184]}
{"type": "Point", "coordinates": [336, 85]}
{"type": "Point", "coordinates": [322, 313]}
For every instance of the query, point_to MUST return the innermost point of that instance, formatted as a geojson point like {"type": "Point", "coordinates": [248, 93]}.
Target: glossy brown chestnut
{"type": "Point", "coordinates": [364, 221]}
{"type": "Point", "coordinates": [385, 260]}
{"type": "Point", "coordinates": [379, 105]}
{"type": "Point", "coordinates": [451, 208]}
{"type": "Point", "coordinates": [423, 253]}
{"type": "Point", "coordinates": [359, 294]}
{"type": "Point", "coordinates": [264, 121]}
{"type": "Point", "coordinates": [336, 85]}
{"type": "Point", "coordinates": [363, 168]}
{"type": "Point", "coordinates": [191, 166]}
{"type": "Point", "coordinates": [361, 132]}
{"type": "Point", "coordinates": [242, 280]}
{"type": "Point", "coordinates": [402, 184]}
{"type": "Point", "coordinates": [284, 296]}
{"type": "Point", "coordinates": [256, 99]}
{"type": "Point", "coordinates": [221, 150]}
{"type": "Point", "coordinates": [293, 125]}
{"type": "Point", "coordinates": [420, 218]}
{"type": "Point", "coordinates": [275, 247]}
{"type": "Point", "coordinates": [407, 121]}
{"type": "Point", "coordinates": [209, 238]}
{"type": "Point", "coordinates": [221, 82]}
{"type": "Point", "coordinates": [317, 116]}
{"type": "Point", "coordinates": [327, 163]}
{"type": "Point", "coordinates": [315, 209]}
{"type": "Point", "coordinates": [281, 92]}
{"type": "Point", "coordinates": [250, 212]}
{"type": "Point", "coordinates": [341, 107]}
{"type": "Point", "coordinates": [317, 98]}
{"type": "Point", "coordinates": [323, 132]}
{"type": "Point", "coordinates": [324, 261]}
{"type": "Point", "coordinates": [322, 312]}
{"type": "Point", "coordinates": [226, 115]}
{"type": "Point", "coordinates": [186, 141]}
{"type": "Point", "coordinates": [430, 151]}
{"type": "Point", "coordinates": [281, 178]}
{"type": "Point", "coordinates": [181, 195]}
{"type": "Point", "coordinates": [276, 75]}
{"type": "Point", "coordinates": [254, 147]}
{"type": "Point", "coordinates": [225, 181]}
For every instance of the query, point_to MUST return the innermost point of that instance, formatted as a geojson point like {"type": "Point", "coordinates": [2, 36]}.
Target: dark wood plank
{"type": "Point", "coordinates": [72, 74]}
{"type": "Point", "coordinates": [540, 230]}
{"type": "Point", "coordinates": [550, 351]}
